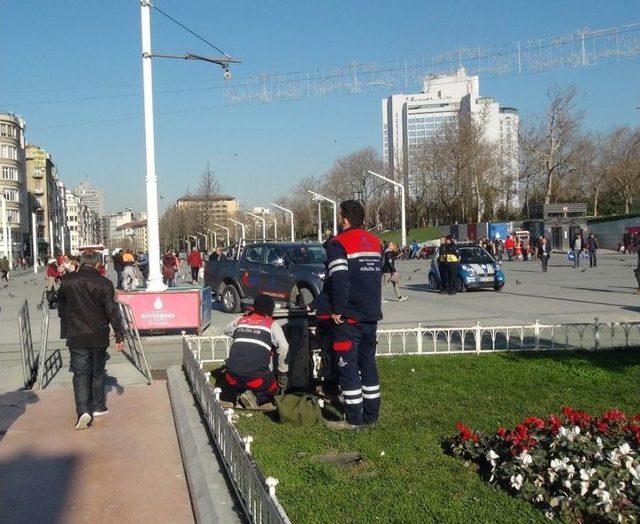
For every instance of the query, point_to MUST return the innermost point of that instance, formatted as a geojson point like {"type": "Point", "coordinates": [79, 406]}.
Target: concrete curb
{"type": "Point", "coordinates": [211, 495]}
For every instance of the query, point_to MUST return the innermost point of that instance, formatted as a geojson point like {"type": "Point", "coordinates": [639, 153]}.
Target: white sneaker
{"type": "Point", "coordinates": [402, 299]}
{"type": "Point", "coordinates": [384, 301]}
{"type": "Point", "coordinates": [83, 421]}
{"type": "Point", "coordinates": [101, 413]}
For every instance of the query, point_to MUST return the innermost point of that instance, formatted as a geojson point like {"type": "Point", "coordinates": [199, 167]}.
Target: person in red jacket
{"type": "Point", "coordinates": [195, 263]}
{"type": "Point", "coordinates": [509, 247]}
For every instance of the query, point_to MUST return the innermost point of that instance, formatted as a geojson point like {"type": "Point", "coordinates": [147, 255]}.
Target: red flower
{"type": "Point", "coordinates": [502, 432]}
{"type": "Point", "coordinates": [575, 417]}
{"type": "Point", "coordinates": [602, 427]}
{"type": "Point", "coordinates": [614, 415]}
{"type": "Point", "coordinates": [465, 432]}
{"type": "Point", "coordinates": [534, 422]}
{"type": "Point", "coordinates": [554, 424]}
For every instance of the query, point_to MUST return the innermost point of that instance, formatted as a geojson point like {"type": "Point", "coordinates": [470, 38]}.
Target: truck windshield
{"type": "Point", "coordinates": [307, 255]}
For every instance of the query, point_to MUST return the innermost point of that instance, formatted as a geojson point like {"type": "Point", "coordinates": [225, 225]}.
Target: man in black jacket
{"type": "Point", "coordinates": [87, 305]}
{"type": "Point", "coordinates": [118, 265]}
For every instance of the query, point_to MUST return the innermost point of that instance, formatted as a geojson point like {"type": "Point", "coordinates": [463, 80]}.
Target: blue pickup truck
{"type": "Point", "coordinates": [289, 272]}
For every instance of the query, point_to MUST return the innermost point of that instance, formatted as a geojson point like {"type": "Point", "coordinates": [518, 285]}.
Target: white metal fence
{"type": "Point", "coordinates": [430, 340]}
{"type": "Point", "coordinates": [256, 494]}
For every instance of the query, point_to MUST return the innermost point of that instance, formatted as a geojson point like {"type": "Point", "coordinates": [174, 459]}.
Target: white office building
{"type": "Point", "coordinates": [410, 120]}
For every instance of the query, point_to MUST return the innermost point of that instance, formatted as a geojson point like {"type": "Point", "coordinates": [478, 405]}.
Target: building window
{"type": "Point", "coordinates": [10, 152]}
{"type": "Point", "coordinates": [9, 173]}
{"type": "Point", "coordinates": [11, 195]}
{"type": "Point", "coordinates": [8, 130]}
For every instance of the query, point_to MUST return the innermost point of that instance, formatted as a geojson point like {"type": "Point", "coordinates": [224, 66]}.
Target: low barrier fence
{"type": "Point", "coordinates": [136, 354]}
{"type": "Point", "coordinates": [256, 493]}
{"type": "Point", "coordinates": [429, 340]}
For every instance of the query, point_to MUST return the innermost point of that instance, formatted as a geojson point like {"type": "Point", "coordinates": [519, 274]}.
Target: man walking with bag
{"type": "Point", "coordinates": [86, 301]}
{"type": "Point", "coordinates": [389, 273]}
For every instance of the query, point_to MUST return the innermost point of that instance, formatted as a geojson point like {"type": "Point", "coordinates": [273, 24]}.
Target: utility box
{"type": "Point", "coordinates": [295, 324]}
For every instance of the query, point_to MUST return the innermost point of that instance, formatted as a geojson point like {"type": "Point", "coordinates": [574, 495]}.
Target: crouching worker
{"type": "Point", "coordinates": [256, 338]}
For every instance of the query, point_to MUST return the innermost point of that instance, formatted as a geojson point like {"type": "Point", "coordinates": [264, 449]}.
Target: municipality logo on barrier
{"type": "Point", "coordinates": [158, 316]}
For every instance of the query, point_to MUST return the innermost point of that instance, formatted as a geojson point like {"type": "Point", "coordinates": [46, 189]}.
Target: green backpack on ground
{"type": "Point", "coordinates": [299, 409]}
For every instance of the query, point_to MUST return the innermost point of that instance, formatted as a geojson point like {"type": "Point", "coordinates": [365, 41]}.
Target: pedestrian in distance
{"type": "Point", "coordinates": [118, 266]}
{"type": "Point", "coordinates": [249, 373]}
{"type": "Point", "coordinates": [442, 269]}
{"type": "Point", "coordinates": [4, 269]}
{"type": "Point", "coordinates": [354, 269]}
{"type": "Point", "coordinates": [544, 253]}
{"type": "Point", "coordinates": [509, 247]}
{"type": "Point", "coordinates": [592, 248]}
{"type": "Point", "coordinates": [129, 272]}
{"type": "Point", "coordinates": [143, 266]}
{"type": "Point", "coordinates": [389, 273]}
{"type": "Point", "coordinates": [195, 263]}
{"type": "Point", "coordinates": [450, 257]}
{"type": "Point", "coordinates": [86, 302]}
{"type": "Point", "coordinates": [218, 255]}
{"type": "Point", "coordinates": [626, 242]}
{"type": "Point", "coordinates": [578, 246]}
{"type": "Point", "coordinates": [169, 268]}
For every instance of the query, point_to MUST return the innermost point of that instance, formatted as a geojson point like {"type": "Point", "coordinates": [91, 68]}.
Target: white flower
{"type": "Point", "coordinates": [575, 430]}
{"type": "Point", "coordinates": [516, 481]}
{"type": "Point", "coordinates": [552, 476]}
{"type": "Point", "coordinates": [635, 471]}
{"type": "Point", "coordinates": [525, 458]}
{"type": "Point", "coordinates": [565, 433]}
{"type": "Point", "coordinates": [539, 497]}
{"type": "Point", "coordinates": [539, 481]}
{"type": "Point", "coordinates": [557, 465]}
{"type": "Point", "coordinates": [584, 488]}
{"type": "Point", "coordinates": [571, 470]}
{"type": "Point", "coordinates": [492, 456]}
{"type": "Point", "coordinates": [550, 514]}
{"type": "Point", "coordinates": [586, 474]}
{"type": "Point", "coordinates": [614, 458]}
{"type": "Point", "coordinates": [625, 449]}
{"type": "Point", "coordinates": [567, 484]}
{"type": "Point", "coordinates": [599, 442]}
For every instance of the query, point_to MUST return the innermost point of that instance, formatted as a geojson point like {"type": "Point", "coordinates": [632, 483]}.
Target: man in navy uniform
{"type": "Point", "coordinates": [354, 270]}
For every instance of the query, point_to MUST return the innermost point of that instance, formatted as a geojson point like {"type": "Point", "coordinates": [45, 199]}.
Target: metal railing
{"type": "Point", "coordinates": [429, 340]}
{"type": "Point", "coordinates": [29, 358]}
{"type": "Point", "coordinates": [136, 354]}
{"type": "Point", "coordinates": [255, 493]}
{"type": "Point", "coordinates": [44, 341]}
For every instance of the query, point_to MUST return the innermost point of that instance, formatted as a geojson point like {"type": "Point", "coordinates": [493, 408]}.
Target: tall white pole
{"type": "Point", "coordinates": [62, 239]}
{"type": "Point", "coordinates": [403, 211]}
{"type": "Point", "coordinates": [264, 224]}
{"type": "Point", "coordinates": [5, 229]}
{"type": "Point", "coordinates": [293, 233]}
{"type": "Point", "coordinates": [335, 209]}
{"type": "Point", "coordinates": [34, 241]}
{"type": "Point", "coordinates": [154, 282]}
{"type": "Point", "coordinates": [275, 229]}
{"type": "Point", "coordinates": [53, 251]}
{"type": "Point", "coordinates": [319, 222]}
{"type": "Point", "coordinates": [226, 229]}
{"type": "Point", "coordinates": [243, 229]}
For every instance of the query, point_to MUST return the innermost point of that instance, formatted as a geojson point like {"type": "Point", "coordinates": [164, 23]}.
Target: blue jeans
{"type": "Point", "coordinates": [577, 252]}
{"type": "Point", "coordinates": [354, 346]}
{"type": "Point", "coordinates": [88, 379]}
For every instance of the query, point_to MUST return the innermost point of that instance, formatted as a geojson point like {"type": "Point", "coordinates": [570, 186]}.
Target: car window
{"type": "Point", "coordinates": [272, 254]}
{"type": "Point", "coordinates": [475, 255]}
{"type": "Point", "coordinates": [254, 254]}
{"type": "Point", "coordinates": [307, 254]}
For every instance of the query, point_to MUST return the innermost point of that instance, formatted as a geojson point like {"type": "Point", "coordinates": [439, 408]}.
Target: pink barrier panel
{"type": "Point", "coordinates": [164, 310]}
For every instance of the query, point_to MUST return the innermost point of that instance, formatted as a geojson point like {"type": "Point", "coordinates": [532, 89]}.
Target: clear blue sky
{"type": "Point", "coordinates": [65, 49]}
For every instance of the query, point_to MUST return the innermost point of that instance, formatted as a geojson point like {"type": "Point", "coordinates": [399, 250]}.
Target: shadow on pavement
{"type": "Point", "coordinates": [34, 488]}
{"type": "Point", "coordinates": [12, 407]}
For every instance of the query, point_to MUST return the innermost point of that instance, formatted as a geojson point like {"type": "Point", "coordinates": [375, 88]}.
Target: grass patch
{"type": "Point", "coordinates": [414, 480]}
{"type": "Point", "coordinates": [418, 234]}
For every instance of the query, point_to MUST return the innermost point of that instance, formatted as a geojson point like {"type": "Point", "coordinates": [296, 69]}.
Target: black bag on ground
{"type": "Point", "coordinates": [52, 297]}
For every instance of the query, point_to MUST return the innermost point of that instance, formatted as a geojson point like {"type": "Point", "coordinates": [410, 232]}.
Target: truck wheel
{"type": "Point", "coordinates": [498, 287]}
{"type": "Point", "coordinates": [432, 282]}
{"type": "Point", "coordinates": [230, 299]}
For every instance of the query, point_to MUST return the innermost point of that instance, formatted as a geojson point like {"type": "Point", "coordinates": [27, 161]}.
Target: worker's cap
{"type": "Point", "coordinates": [51, 261]}
{"type": "Point", "coordinates": [264, 305]}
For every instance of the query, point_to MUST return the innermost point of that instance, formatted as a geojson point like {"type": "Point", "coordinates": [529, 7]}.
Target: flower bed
{"type": "Point", "coordinates": [573, 466]}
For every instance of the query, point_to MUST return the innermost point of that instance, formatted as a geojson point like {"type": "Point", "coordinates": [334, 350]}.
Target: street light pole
{"type": "Point", "coordinates": [206, 240]}
{"type": "Point", "coordinates": [215, 237]}
{"type": "Point", "coordinates": [264, 224]}
{"type": "Point", "coordinates": [226, 229]}
{"type": "Point", "coordinates": [320, 197]}
{"type": "Point", "coordinates": [293, 233]}
{"type": "Point", "coordinates": [197, 241]}
{"type": "Point", "coordinates": [5, 229]}
{"type": "Point", "coordinates": [275, 229]}
{"type": "Point", "coordinates": [154, 282]}
{"type": "Point", "coordinates": [403, 211]}
{"type": "Point", "coordinates": [242, 226]}
{"type": "Point", "coordinates": [53, 251]}
{"type": "Point", "coordinates": [34, 242]}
